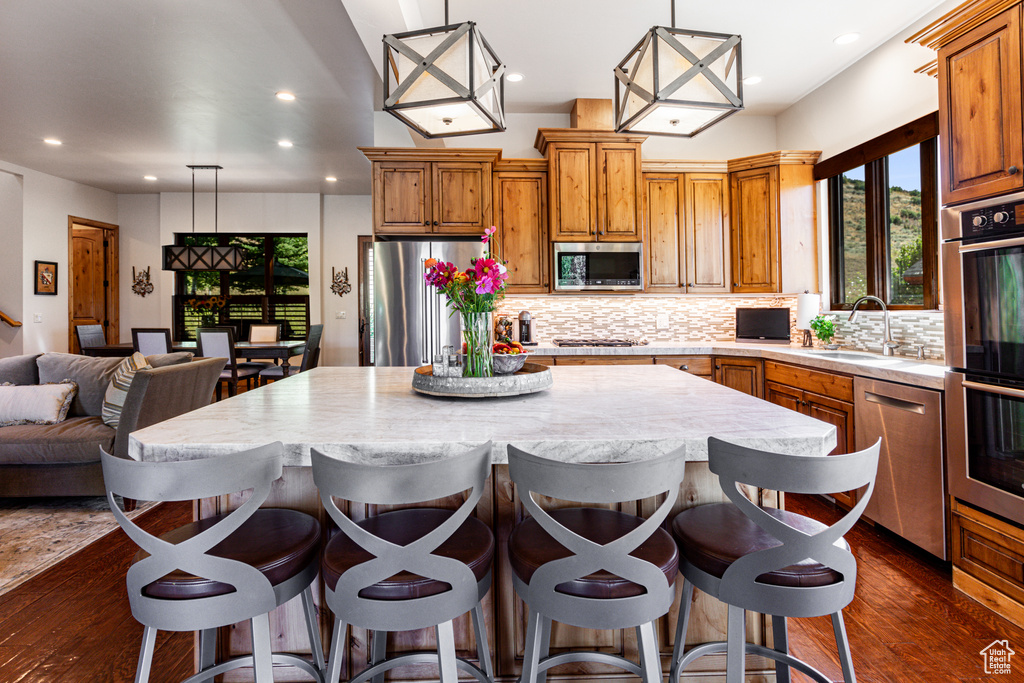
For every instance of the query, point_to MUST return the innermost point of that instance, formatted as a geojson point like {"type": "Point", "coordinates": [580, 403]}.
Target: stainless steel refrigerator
{"type": "Point", "coordinates": [411, 320]}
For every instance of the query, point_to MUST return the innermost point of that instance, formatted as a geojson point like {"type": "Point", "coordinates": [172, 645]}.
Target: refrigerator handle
{"type": "Point", "coordinates": [425, 344]}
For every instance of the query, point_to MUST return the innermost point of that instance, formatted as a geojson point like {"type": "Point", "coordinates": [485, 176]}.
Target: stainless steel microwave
{"type": "Point", "coordinates": [601, 266]}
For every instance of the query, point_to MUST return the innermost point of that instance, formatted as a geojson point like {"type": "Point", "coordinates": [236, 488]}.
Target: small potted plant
{"type": "Point", "coordinates": [824, 327]}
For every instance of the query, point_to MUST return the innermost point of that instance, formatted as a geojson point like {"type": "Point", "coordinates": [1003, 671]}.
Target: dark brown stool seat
{"type": "Point", "coordinates": [279, 543]}
{"type": "Point", "coordinates": [712, 537]}
{"type": "Point", "coordinates": [472, 544]}
{"type": "Point", "coordinates": [530, 547]}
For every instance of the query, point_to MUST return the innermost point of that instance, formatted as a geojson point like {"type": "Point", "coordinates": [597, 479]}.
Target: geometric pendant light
{"type": "Point", "coordinates": [444, 81]}
{"type": "Point", "coordinates": [189, 257]}
{"type": "Point", "coordinates": [678, 82]}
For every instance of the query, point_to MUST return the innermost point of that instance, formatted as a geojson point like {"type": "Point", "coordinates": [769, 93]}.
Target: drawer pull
{"type": "Point", "coordinates": [890, 402]}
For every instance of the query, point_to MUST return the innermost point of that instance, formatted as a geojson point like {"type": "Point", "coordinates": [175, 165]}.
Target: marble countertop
{"type": "Point", "coordinates": [590, 414]}
{"type": "Point", "coordinates": [919, 373]}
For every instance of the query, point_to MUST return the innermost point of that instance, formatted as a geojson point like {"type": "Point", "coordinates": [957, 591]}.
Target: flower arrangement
{"type": "Point", "coordinates": [207, 304]}
{"type": "Point", "coordinates": [474, 294]}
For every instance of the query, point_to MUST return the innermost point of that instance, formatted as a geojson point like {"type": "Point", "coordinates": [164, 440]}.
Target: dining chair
{"type": "Point", "coordinates": [150, 341]}
{"type": "Point", "coordinates": [90, 336]}
{"type": "Point", "coordinates": [233, 567]}
{"type": "Point", "coordinates": [410, 568]}
{"type": "Point", "coordinates": [768, 560]}
{"type": "Point", "coordinates": [261, 333]}
{"type": "Point", "coordinates": [219, 342]}
{"type": "Point", "coordinates": [594, 567]}
{"type": "Point", "coordinates": [310, 357]}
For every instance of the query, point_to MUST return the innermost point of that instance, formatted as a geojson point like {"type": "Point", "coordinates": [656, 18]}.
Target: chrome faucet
{"type": "Point", "coordinates": [888, 345]}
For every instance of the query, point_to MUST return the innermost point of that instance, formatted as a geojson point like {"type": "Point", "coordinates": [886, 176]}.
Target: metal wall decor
{"type": "Point", "coordinates": [444, 81]}
{"type": "Point", "coordinates": [678, 82]}
{"type": "Point", "coordinates": [339, 282]}
{"type": "Point", "coordinates": [140, 282]}
{"type": "Point", "coordinates": [191, 257]}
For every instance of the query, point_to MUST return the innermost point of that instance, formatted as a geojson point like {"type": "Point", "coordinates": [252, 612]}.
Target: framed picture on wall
{"type": "Point", "coordinates": [46, 277]}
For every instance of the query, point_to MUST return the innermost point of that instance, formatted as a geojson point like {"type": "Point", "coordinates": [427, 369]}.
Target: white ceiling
{"type": "Point", "coordinates": [135, 88]}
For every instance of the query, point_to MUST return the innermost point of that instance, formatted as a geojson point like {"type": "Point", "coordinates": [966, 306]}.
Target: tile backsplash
{"type": "Point", "coordinates": [708, 319]}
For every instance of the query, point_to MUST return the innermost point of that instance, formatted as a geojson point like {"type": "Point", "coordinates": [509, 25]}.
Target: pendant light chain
{"type": "Point", "coordinates": [445, 12]}
{"type": "Point", "coordinates": [673, 2]}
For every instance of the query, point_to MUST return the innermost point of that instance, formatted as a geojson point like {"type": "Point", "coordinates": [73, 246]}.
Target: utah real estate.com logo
{"type": "Point", "coordinates": [997, 657]}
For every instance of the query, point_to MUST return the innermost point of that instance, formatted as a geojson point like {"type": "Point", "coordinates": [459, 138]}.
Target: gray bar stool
{"type": "Point", "coordinates": [407, 569]}
{"type": "Point", "coordinates": [219, 571]}
{"type": "Point", "coordinates": [767, 560]}
{"type": "Point", "coordinates": [592, 567]}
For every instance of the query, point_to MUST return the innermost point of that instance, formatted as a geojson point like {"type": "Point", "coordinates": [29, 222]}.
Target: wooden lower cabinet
{"type": "Point", "coordinates": [988, 560]}
{"type": "Point", "coordinates": [501, 509]}
{"type": "Point", "coordinates": [741, 374]}
{"type": "Point", "coordinates": [822, 395]}
{"type": "Point", "coordinates": [603, 360]}
{"type": "Point", "coordinates": [695, 365]}
{"type": "Point", "coordinates": [541, 360]}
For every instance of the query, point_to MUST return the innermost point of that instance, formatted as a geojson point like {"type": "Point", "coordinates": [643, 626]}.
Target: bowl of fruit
{"type": "Point", "coordinates": [509, 357]}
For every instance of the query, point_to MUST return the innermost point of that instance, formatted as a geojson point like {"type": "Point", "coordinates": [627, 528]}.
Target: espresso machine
{"type": "Point", "coordinates": [526, 330]}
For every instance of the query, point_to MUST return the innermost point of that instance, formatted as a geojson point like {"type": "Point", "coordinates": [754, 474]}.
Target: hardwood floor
{"type": "Point", "coordinates": [73, 624]}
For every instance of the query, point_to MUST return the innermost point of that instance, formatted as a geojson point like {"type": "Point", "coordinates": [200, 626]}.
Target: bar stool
{"type": "Point", "coordinates": [768, 560]}
{"type": "Point", "coordinates": [407, 569]}
{"type": "Point", "coordinates": [219, 571]}
{"type": "Point", "coordinates": [592, 567]}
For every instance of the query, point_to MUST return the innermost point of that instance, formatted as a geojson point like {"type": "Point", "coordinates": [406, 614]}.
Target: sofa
{"type": "Point", "coordinates": [63, 459]}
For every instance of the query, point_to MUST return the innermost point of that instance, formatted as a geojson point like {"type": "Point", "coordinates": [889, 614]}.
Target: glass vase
{"type": "Point", "coordinates": [477, 334]}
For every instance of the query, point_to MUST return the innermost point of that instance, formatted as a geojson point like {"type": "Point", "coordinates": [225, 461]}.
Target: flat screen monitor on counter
{"type": "Point", "coordinates": [764, 325]}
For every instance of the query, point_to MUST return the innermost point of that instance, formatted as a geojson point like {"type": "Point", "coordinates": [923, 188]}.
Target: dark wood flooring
{"type": "Point", "coordinates": [72, 623]}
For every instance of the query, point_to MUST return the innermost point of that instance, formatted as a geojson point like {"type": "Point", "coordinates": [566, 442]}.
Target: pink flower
{"type": "Point", "coordinates": [487, 234]}
{"type": "Point", "coordinates": [490, 275]}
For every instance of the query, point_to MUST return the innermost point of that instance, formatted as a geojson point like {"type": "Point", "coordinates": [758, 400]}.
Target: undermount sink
{"type": "Point", "coordinates": [856, 357]}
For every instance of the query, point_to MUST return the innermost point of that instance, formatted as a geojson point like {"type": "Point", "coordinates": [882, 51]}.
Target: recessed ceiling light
{"type": "Point", "coordinates": [149, 177]}
{"type": "Point", "coordinates": [52, 141]}
{"type": "Point", "coordinates": [331, 179]}
{"type": "Point", "coordinates": [752, 80]}
{"type": "Point", "coordinates": [846, 38]}
{"type": "Point", "coordinates": [285, 95]}
{"type": "Point", "coordinates": [513, 77]}
{"type": "Point", "coordinates": [285, 143]}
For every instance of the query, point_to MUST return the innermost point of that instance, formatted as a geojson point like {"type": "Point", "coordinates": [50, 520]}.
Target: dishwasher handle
{"type": "Point", "coordinates": [890, 402]}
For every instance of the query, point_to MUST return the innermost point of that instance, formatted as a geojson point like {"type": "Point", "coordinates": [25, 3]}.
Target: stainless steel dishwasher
{"type": "Point", "coordinates": [910, 492]}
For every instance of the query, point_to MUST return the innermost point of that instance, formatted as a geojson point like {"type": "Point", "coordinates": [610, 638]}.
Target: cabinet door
{"type": "Point", "coordinates": [401, 197]}
{"type": "Point", "coordinates": [840, 415]}
{"type": "Point", "coordinates": [664, 200]}
{"type": "Point", "coordinates": [741, 374]}
{"type": "Point", "coordinates": [781, 395]}
{"type": "Point", "coordinates": [619, 216]}
{"type": "Point", "coordinates": [520, 214]}
{"type": "Point", "coordinates": [755, 230]}
{"type": "Point", "coordinates": [980, 110]}
{"type": "Point", "coordinates": [462, 197]}
{"type": "Point", "coordinates": [572, 175]}
{"type": "Point", "coordinates": [707, 232]}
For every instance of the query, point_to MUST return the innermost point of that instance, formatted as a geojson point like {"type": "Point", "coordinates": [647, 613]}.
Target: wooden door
{"type": "Point", "coordinates": [573, 192]}
{"type": "Point", "coordinates": [839, 414]}
{"type": "Point", "coordinates": [619, 215]}
{"type": "Point", "coordinates": [92, 278]}
{"type": "Point", "coordinates": [521, 216]}
{"type": "Point", "coordinates": [664, 198]}
{"type": "Point", "coordinates": [781, 395]}
{"type": "Point", "coordinates": [706, 228]}
{"type": "Point", "coordinates": [755, 258]}
{"type": "Point", "coordinates": [741, 374]}
{"type": "Point", "coordinates": [980, 110]}
{"type": "Point", "coordinates": [401, 197]}
{"type": "Point", "coordinates": [461, 197]}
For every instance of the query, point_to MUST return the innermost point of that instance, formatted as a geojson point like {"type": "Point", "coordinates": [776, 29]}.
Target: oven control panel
{"type": "Point", "coordinates": [992, 221]}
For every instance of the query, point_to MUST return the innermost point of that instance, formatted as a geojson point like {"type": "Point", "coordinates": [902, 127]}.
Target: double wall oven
{"type": "Point", "coordinates": [983, 274]}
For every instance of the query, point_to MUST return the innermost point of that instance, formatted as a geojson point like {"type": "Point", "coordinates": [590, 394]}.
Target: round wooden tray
{"type": "Point", "coordinates": [532, 378]}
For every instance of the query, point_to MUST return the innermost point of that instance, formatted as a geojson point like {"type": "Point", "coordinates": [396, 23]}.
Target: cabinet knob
{"type": "Point", "coordinates": [718, 367]}
{"type": "Point", "coordinates": [685, 367]}
{"type": "Point", "coordinates": [426, 222]}
{"type": "Point", "coordinates": [435, 222]}
{"type": "Point", "coordinates": [1012, 170]}
{"type": "Point", "coordinates": [689, 284]}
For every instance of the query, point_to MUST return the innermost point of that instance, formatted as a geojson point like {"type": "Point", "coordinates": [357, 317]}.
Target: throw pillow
{"type": "Point", "coordinates": [42, 404]}
{"type": "Point", "coordinates": [117, 392]}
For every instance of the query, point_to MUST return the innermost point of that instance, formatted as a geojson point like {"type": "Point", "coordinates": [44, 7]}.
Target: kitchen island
{"type": "Point", "coordinates": [590, 414]}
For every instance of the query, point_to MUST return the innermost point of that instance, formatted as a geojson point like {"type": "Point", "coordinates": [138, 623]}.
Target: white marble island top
{"type": "Point", "coordinates": [590, 414]}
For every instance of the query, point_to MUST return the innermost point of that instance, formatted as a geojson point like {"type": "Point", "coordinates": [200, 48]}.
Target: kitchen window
{"type": "Point", "coordinates": [273, 288]}
{"type": "Point", "coordinates": [883, 225]}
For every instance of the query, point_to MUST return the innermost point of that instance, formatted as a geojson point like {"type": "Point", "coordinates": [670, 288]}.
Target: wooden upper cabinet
{"type": "Point", "coordinates": [521, 216]}
{"type": "Point", "coordinates": [594, 185]}
{"type": "Point", "coordinates": [687, 231]}
{"type": "Point", "coordinates": [980, 110]}
{"type": "Point", "coordinates": [755, 241]}
{"type": "Point", "coordinates": [434, 191]}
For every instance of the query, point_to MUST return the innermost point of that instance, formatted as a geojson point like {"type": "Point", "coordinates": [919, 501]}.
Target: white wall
{"type": "Point", "coordinates": [12, 263]}
{"type": "Point", "coordinates": [139, 216]}
{"type": "Point", "coordinates": [344, 219]}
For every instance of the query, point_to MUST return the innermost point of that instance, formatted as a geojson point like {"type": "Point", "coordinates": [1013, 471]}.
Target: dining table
{"type": "Point", "coordinates": [280, 350]}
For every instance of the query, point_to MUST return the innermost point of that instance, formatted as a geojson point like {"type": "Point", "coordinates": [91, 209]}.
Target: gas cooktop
{"type": "Point", "coordinates": [599, 342]}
